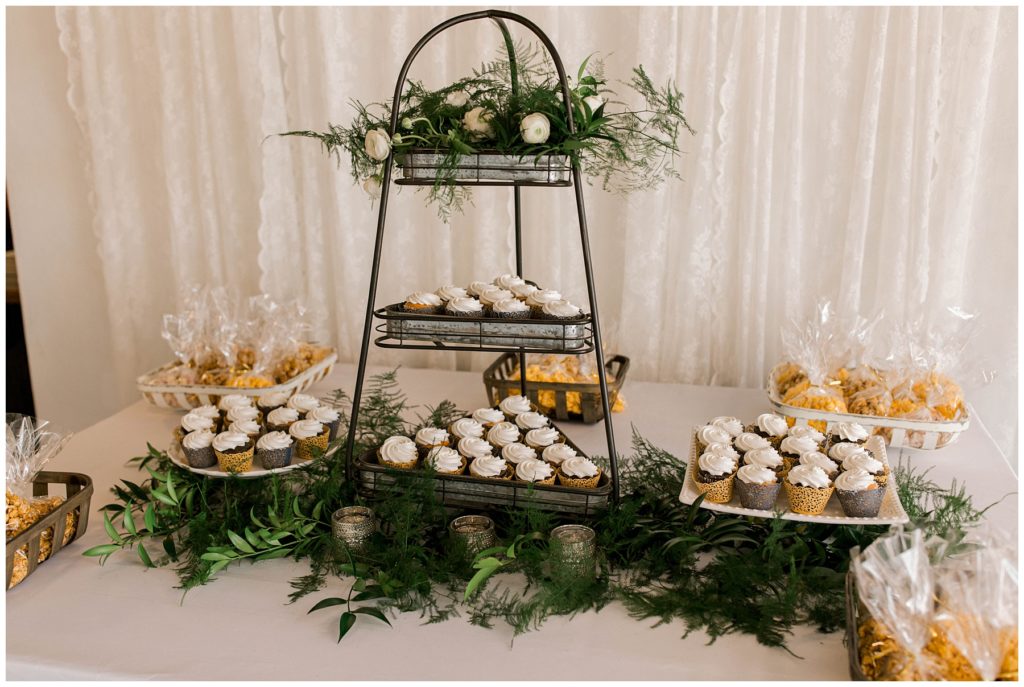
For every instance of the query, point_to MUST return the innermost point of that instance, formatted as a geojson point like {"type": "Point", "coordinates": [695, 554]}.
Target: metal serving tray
{"type": "Point", "coordinates": [483, 333]}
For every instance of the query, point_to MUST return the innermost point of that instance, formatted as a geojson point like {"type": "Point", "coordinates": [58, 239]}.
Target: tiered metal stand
{"type": "Point", "coordinates": [405, 330]}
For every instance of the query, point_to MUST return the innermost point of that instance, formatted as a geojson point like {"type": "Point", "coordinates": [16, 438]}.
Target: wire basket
{"type": "Point", "coordinates": [499, 383]}
{"type": "Point", "coordinates": [187, 396]}
{"type": "Point", "coordinates": [78, 488]}
{"type": "Point", "coordinates": [421, 165]}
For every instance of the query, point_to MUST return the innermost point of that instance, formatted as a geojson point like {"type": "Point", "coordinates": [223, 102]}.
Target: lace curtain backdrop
{"type": "Point", "coordinates": [867, 155]}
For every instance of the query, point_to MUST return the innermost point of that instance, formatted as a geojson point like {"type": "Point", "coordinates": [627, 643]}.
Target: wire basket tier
{"type": "Point", "coordinates": [423, 167]}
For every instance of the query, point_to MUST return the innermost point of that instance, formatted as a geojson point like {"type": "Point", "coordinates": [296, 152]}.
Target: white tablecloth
{"type": "Point", "coordinates": [75, 619]}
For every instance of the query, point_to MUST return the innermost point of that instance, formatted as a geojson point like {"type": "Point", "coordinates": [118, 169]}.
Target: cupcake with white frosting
{"type": "Point", "coordinates": [723, 449]}
{"type": "Point", "coordinates": [556, 454]}
{"type": "Point", "coordinates": [271, 401]}
{"type": "Point", "coordinates": [328, 416]}
{"type": "Point", "coordinates": [844, 449]}
{"type": "Point", "coordinates": [207, 410]}
{"type": "Point", "coordinates": [194, 422]}
{"type": "Point", "coordinates": [234, 451]}
{"type": "Point", "coordinates": [303, 403]}
{"type": "Point", "coordinates": [539, 298]}
{"type": "Point", "coordinates": [748, 441]}
{"type": "Point", "coordinates": [560, 310]}
{"type": "Point", "coordinates": [475, 288]}
{"type": "Point", "coordinates": [541, 438]}
{"type": "Point", "coordinates": [859, 493]}
{"type": "Point", "coordinates": [274, 450]}
{"type": "Point", "coordinates": [578, 472]}
{"type": "Point", "coordinates": [398, 452]}
{"type": "Point", "coordinates": [280, 419]}
{"type": "Point", "coordinates": [850, 432]}
{"type": "Point", "coordinates": [474, 447]}
{"type": "Point", "coordinates": [230, 401]}
{"type": "Point", "coordinates": [198, 448]}
{"type": "Point", "coordinates": [466, 427]}
{"type": "Point", "coordinates": [757, 486]}
{"type": "Point", "coordinates": [488, 417]}
{"type": "Point", "coordinates": [869, 464]}
{"type": "Point", "coordinates": [445, 460]}
{"type": "Point", "coordinates": [730, 424]}
{"type": "Point", "coordinates": [447, 293]}
{"type": "Point", "coordinates": [510, 309]}
{"type": "Point", "coordinates": [714, 475]}
{"type": "Point", "coordinates": [244, 413]}
{"type": "Point", "coordinates": [806, 431]}
{"type": "Point", "coordinates": [766, 457]}
{"type": "Point", "coordinates": [771, 426]}
{"type": "Point", "coordinates": [822, 461]}
{"type": "Point", "coordinates": [711, 434]}
{"type": "Point", "coordinates": [808, 489]}
{"type": "Point", "coordinates": [503, 434]}
{"type": "Point", "coordinates": [531, 420]}
{"type": "Point", "coordinates": [792, 448]}
{"type": "Point", "coordinates": [507, 281]}
{"type": "Point", "coordinates": [515, 405]}
{"type": "Point", "coordinates": [491, 296]}
{"type": "Point", "coordinates": [430, 438]}
{"type": "Point", "coordinates": [490, 467]}
{"type": "Point", "coordinates": [523, 291]}
{"type": "Point", "coordinates": [423, 303]}
{"type": "Point", "coordinates": [311, 438]}
{"type": "Point", "coordinates": [535, 472]}
{"type": "Point", "coordinates": [516, 453]}
{"type": "Point", "coordinates": [464, 307]}
{"type": "Point", "coordinates": [250, 428]}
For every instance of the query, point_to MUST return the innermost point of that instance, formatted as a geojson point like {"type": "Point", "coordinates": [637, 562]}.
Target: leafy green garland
{"type": "Point", "coordinates": [717, 573]}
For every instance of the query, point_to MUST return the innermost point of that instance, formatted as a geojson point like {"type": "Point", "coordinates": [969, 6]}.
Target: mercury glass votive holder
{"type": "Point", "coordinates": [476, 532]}
{"type": "Point", "coordinates": [574, 549]}
{"type": "Point", "coordinates": [353, 525]}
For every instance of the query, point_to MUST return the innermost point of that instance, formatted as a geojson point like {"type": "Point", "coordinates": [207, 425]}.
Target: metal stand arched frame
{"type": "Point", "coordinates": [498, 16]}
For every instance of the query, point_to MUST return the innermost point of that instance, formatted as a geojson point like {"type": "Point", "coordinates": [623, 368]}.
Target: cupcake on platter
{"type": "Point", "coordinates": [490, 467]}
{"type": "Point", "coordinates": [464, 307]}
{"type": "Point", "coordinates": [714, 476]}
{"type": "Point", "coordinates": [249, 428]}
{"type": "Point", "coordinates": [503, 434]}
{"type": "Point", "coordinates": [556, 454]}
{"type": "Point", "coordinates": [730, 424]}
{"type": "Point", "coordinates": [280, 419]}
{"type": "Point", "coordinates": [560, 310]}
{"type": "Point", "coordinates": [540, 297]}
{"type": "Point", "coordinates": [531, 420]}
{"type": "Point", "coordinates": [808, 489]}
{"type": "Point", "coordinates": [329, 416]}
{"type": "Point", "coordinates": [247, 413]}
{"type": "Point", "coordinates": [515, 405]}
{"type": "Point", "coordinates": [578, 472]}
{"type": "Point", "coordinates": [507, 281]}
{"type": "Point", "coordinates": [771, 426]}
{"type": "Point", "coordinates": [711, 434]}
{"type": "Point", "coordinates": [466, 427]}
{"type": "Point", "coordinates": [430, 438]}
{"type": "Point", "coordinates": [876, 468]}
{"type": "Point", "coordinates": [207, 410]}
{"type": "Point", "coordinates": [849, 432]}
{"type": "Point", "coordinates": [231, 401]}
{"type": "Point", "coordinates": [819, 459]}
{"type": "Point", "coordinates": [757, 486]}
{"type": "Point", "coordinates": [274, 450]}
{"type": "Point", "coordinates": [271, 401]}
{"type": "Point", "coordinates": [422, 303]}
{"type": "Point", "coordinates": [535, 472]}
{"type": "Point", "coordinates": [792, 448]}
{"type": "Point", "coordinates": [748, 441]}
{"type": "Point", "coordinates": [522, 291]}
{"type": "Point", "coordinates": [724, 449]}
{"type": "Point", "coordinates": [475, 288]}
{"type": "Point", "coordinates": [445, 460]}
{"type": "Point", "coordinates": [767, 458]}
{"type": "Point", "coordinates": [193, 422]}
{"type": "Point", "coordinates": [447, 293]}
{"type": "Point", "coordinates": [310, 436]}
{"type": "Point", "coordinates": [398, 452]}
{"type": "Point", "coordinates": [540, 439]}
{"type": "Point", "coordinates": [474, 447]}
{"type": "Point", "coordinates": [198, 448]}
{"type": "Point", "coordinates": [844, 449]}
{"type": "Point", "coordinates": [303, 403]}
{"type": "Point", "coordinates": [510, 309]}
{"type": "Point", "coordinates": [806, 431]}
{"type": "Point", "coordinates": [859, 493]}
{"type": "Point", "coordinates": [488, 417]}
{"type": "Point", "coordinates": [234, 451]}
{"type": "Point", "coordinates": [516, 453]}
{"type": "Point", "coordinates": [491, 296]}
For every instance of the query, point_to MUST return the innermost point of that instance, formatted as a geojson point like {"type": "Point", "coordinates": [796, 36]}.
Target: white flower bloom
{"type": "Point", "coordinates": [372, 186]}
{"type": "Point", "coordinates": [406, 123]}
{"type": "Point", "coordinates": [478, 122]}
{"type": "Point", "coordinates": [535, 128]}
{"type": "Point", "coordinates": [594, 102]}
{"type": "Point", "coordinates": [457, 99]}
{"type": "Point", "coordinates": [397, 139]}
{"type": "Point", "coordinates": [377, 144]}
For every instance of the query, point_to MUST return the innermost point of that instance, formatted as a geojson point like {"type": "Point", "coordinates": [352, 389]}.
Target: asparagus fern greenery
{"type": "Point", "coordinates": [663, 561]}
{"type": "Point", "coordinates": [514, 106]}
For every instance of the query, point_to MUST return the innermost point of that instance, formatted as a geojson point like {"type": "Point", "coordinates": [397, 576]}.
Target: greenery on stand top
{"type": "Point", "coordinates": [665, 561]}
{"type": "Point", "coordinates": [515, 106]}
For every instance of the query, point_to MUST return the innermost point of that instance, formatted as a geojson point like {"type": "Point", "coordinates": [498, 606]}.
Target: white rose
{"type": "Point", "coordinates": [377, 144]}
{"type": "Point", "coordinates": [478, 122]}
{"type": "Point", "coordinates": [594, 102]}
{"type": "Point", "coordinates": [372, 186]}
{"type": "Point", "coordinates": [457, 99]}
{"type": "Point", "coordinates": [535, 128]}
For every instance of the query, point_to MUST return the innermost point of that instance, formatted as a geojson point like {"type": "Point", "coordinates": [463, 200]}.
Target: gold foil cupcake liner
{"type": "Point", "coordinates": [578, 482]}
{"type": "Point", "coordinates": [506, 475]}
{"type": "Point", "coordinates": [236, 462]}
{"type": "Point", "coordinates": [719, 491]}
{"type": "Point", "coordinates": [304, 447]}
{"type": "Point", "coordinates": [807, 500]}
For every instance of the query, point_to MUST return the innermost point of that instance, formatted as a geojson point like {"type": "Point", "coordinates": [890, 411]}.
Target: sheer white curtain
{"type": "Point", "coordinates": [862, 154]}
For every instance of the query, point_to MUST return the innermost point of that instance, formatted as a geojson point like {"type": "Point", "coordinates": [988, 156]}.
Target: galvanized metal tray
{"type": "Point", "coordinates": [426, 164]}
{"type": "Point", "coordinates": [467, 491]}
{"type": "Point", "coordinates": [482, 333]}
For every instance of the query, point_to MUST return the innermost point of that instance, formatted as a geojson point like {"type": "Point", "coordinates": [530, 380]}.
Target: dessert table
{"type": "Point", "coordinates": [75, 619]}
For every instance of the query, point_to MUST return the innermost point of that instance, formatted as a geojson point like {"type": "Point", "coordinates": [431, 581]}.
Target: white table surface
{"type": "Point", "coordinates": [75, 619]}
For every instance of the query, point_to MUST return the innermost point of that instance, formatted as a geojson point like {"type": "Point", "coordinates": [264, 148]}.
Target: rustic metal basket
{"type": "Point", "coordinates": [499, 383]}
{"type": "Point", "coordinates": [187, 396]}
{"type": "Point", "coordinates": [426, 165]}
{"type": "Point", "coordinates": [78, 489]}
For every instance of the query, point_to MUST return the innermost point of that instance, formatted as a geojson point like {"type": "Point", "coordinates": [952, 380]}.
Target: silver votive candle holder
{"type": "Point", "coordinates": [574, 549]}
{"type": "Point", "coordinates": [353, 525]}
{"type": "Point", "coordinates": [476, 532]}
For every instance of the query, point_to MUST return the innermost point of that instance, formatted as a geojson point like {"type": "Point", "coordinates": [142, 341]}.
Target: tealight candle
{"type": "Point", "coordinates": [476, 532]}
{"type": "Point", "coordinates": [574, 548]}
{"type": "Point", "coordinates": [353, 525]}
